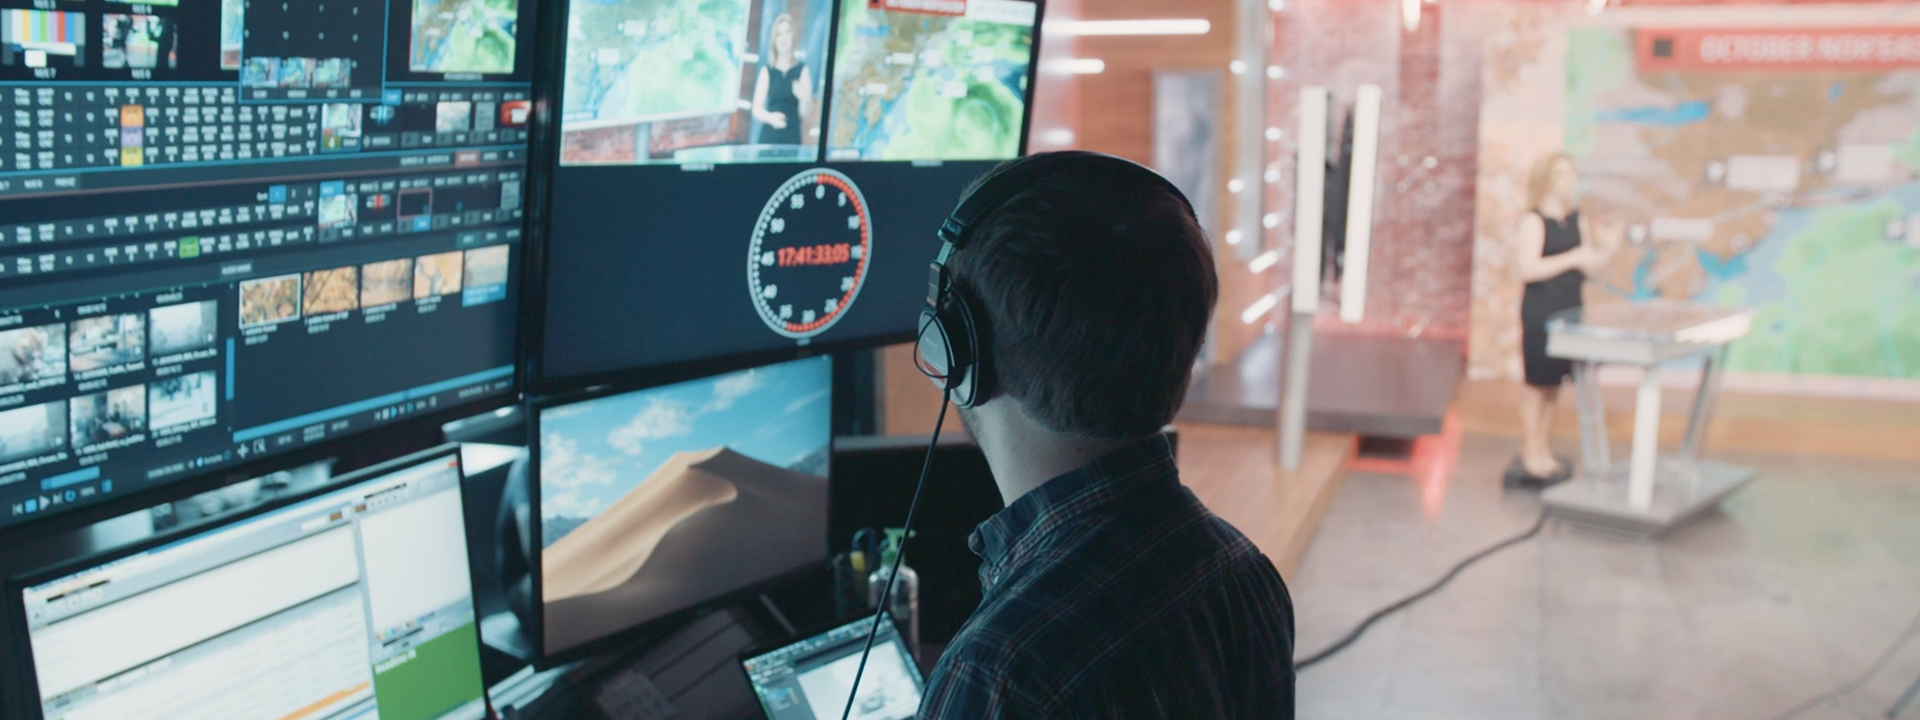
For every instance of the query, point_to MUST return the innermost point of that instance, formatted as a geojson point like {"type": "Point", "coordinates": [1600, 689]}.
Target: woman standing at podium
{"type": "Point", "coordinates": [1553, 261]}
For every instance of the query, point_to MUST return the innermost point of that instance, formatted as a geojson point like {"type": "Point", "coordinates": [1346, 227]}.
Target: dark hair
{"type": "Point", "coordinates": [1094, 294]}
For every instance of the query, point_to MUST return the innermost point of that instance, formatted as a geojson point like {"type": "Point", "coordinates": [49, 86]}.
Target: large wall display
{"type": "Point", "coordinates": [1764, 157]}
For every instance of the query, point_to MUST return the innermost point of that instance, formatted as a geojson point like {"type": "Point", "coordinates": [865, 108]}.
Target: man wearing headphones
{"type": "Point", "coordinates": [1064, 318]}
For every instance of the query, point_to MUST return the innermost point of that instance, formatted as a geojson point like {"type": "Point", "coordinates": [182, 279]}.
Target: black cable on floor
{"type": "Point", "coordinates": [1913, 628]}
{"type": "Point", "coordinates": [1361, 629]}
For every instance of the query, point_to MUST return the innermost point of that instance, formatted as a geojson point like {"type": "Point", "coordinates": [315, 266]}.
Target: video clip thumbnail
{"type": "Point", "coordinates": [486, 275]}
{"type": "Point", "coordinates": [436, 275]}
{"type": "Point", "coordinates": [385, 283]}
{"type": "Point", "coordinates": [338, 208]}
{"type": "Point", "coordinates": [181, 399]}
{"type": "Point", "coordinates": [330, 291]}
{"type": "Point", "coordinates": [138, 41]}
{"type": "Point", "coordinates": [33, 431]}
{"type": "Point", "coordinates": [116, 414]}
{"type": "Point", "coordinates": [180, 328]}
{"type": "Point", "coordinates": [464, 36]}
{"type": "Point", "coordinates": [43, 38]}
{"type": "Point", "coordinates": [32, 356]}
{"type": "Point", "coordinates": [295, 73]}
{"type": "Point", "coordinates": [233, 30]}
{"type": "Point", "coordinates": [452, 116]}
{"type": "Point", "coordinates": [107, 341]}
{"type": "Point", "coordinates": [269, 300]}
{"type": "Point", "coordinates": [340, 126]}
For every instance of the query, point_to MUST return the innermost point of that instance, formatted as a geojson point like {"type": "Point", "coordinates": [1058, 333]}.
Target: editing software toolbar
{"type": "Point", "coordinates": [229, 229]}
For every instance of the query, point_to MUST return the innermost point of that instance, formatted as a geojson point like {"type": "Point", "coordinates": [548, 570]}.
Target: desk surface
{"type": "Point", "coordinates": [1657, 321]}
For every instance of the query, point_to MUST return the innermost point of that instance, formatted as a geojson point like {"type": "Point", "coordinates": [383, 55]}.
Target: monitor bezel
{"type": "Point", "coordinates": [25, 679]}
{"type": "Point", "coordinates": [542, 659]}
{"type": "Point", "coordinates": [548, 84]}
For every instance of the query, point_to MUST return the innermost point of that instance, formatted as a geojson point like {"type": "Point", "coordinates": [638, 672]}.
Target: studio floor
{"type": "Point", "coordinates": [1798, 585]}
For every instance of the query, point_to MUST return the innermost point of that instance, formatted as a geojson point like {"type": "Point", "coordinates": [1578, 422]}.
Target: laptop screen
{"type": "Point", "coordinates": [810, 679]}
{"type": "Point", "coordinates": [354, 605]}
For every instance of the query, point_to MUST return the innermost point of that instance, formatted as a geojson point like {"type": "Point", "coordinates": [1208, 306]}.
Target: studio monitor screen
{"type": "Point", "coordinates": [229, 229]}
{"type": "Point", "coordinates": [661, 499]}
{"type": "Point", "coordinates": [740, 177]}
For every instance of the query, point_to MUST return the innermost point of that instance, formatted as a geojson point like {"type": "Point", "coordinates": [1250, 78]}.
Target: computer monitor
{"type": "Point", "coordinates": [655, 501]}
{"type": "Point", "coordinates": [357, 603]}
{"type": "Point", "coordinates": [811, 679]}
{"type": "Point", "coordinates": [214, 250]}
{"type": "Point", "coordinates": [767, 182]}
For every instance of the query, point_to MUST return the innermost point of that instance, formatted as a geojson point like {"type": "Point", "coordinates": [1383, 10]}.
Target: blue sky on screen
{"type": "Point", "coordinates": [594, 452]}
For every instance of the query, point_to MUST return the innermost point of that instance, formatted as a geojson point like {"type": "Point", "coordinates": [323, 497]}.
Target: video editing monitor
{"type": "Point", "coordinates": [354, 604]}
{"type": "Point", "coordinates": [658, 500]}
{"type": "Point", "coordinates": [229, 229]}
{"type": "Point", "coordinates": [746, 177]}
{"type": "Point", "coordinates": [811, 679]}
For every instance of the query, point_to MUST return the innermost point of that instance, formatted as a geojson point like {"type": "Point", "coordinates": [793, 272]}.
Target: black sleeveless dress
{"type": "Point", "coordinates": [782, 99]}
{"type": "Point", "coordinates": [1546, 297]}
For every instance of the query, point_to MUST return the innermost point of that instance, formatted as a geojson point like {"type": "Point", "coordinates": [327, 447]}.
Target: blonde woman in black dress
{"type": "Point", "coordinates": [783, 93]}
{"type": "Point", "coordinates": [1553, 261]}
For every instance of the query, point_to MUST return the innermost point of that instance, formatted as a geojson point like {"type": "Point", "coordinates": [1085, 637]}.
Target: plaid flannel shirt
{"type": "Point", "coordinates": [1112, 592]}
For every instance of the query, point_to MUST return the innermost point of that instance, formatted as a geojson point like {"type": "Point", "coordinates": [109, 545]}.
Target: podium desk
{"type": "Point", "coordinates": [1653, 493]}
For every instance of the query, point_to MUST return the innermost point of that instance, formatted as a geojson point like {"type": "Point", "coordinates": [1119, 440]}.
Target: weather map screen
{"type": "Point", "coordinates": [229, 229]}
{"type": "Point", "coordinates": [931, 85]}
{"type": "Point", "coordinates": [746, 177]}
{"type": "Point", "coordinates": [657, 500]}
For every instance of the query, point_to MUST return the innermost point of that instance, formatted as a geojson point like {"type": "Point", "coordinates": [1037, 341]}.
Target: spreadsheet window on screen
{"type": "Point", "coordinates": [355, 604]}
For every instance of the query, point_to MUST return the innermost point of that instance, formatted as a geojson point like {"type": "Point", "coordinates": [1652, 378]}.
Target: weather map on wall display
{"type": "Point", "coordinates": [930, 80]}
{"type": "Point", "coordinates": [693, 81]}
{"type": "Point", "coordinates": [464, 36]}
{"type": "Point", "coordinates": [1771, 168]}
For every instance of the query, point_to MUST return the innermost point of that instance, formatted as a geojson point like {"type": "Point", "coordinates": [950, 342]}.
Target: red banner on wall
{"type": "Point", "coordinates": [1735, 49]}
{"type": "Point", "coordinates": [955, 8]}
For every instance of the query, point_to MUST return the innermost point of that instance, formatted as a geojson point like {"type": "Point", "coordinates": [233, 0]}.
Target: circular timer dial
{"type": "Point", "coordinates": [809, 253]}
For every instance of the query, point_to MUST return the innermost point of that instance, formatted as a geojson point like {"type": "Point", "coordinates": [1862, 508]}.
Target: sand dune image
{"type": "Point", "coordinates": [701, 525]}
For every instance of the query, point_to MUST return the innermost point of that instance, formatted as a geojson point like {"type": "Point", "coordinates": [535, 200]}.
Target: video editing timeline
{"type": "Point", "coordinates": [278, 216]}
{"type": "Point", "coordinates": [351, 604]}
{"type": "Point", "coordinates": [51, 127]}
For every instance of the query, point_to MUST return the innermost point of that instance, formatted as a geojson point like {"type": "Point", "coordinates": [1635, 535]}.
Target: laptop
{"type": "Point", "coordinates": [810, 679]}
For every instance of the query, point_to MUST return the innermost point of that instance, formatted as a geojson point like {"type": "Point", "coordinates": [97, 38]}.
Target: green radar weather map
{"type": "Point", "coordinates": [930, 79]}
{"type": "Point", "coordinates": [464, 36]}
{"type": "Point", "coordinates": [637, 59]}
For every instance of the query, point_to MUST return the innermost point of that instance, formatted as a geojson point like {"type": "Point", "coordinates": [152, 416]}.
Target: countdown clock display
{"type": "Point", "coordinates": [810, 253]}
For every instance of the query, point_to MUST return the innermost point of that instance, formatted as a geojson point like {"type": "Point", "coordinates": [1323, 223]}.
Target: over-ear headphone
{"type": "Point", "coordinates": [952, 340]}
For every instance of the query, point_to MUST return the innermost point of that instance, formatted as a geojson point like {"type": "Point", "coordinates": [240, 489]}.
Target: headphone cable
{"type": "Point", "coordinates": [893, 574]}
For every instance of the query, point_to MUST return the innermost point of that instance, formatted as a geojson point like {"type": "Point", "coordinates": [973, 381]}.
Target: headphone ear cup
{"type": "Point", "coordinates": [968, 382]}
{"type": "Point", "coordinates": [935, 348]}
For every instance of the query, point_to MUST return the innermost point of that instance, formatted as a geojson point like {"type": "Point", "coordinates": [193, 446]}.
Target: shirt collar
{"type": "Point", "coordinates": [995, 540]}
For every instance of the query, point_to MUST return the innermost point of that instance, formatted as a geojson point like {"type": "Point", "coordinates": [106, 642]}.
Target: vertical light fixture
{"type": "Point", "coordinates": [1366, 152]}
{"type": "Point", "coordinates": [1309, 192]}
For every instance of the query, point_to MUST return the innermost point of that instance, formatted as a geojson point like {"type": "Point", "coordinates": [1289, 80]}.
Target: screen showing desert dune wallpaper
{"type": "Point", "coordinates": [655, 500]}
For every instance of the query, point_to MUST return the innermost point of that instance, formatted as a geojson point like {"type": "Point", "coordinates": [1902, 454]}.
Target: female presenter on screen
{"type": "Point", "coordinates": [1553, 262]}
{"type": "Point", "coordinates": [783, 89]}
